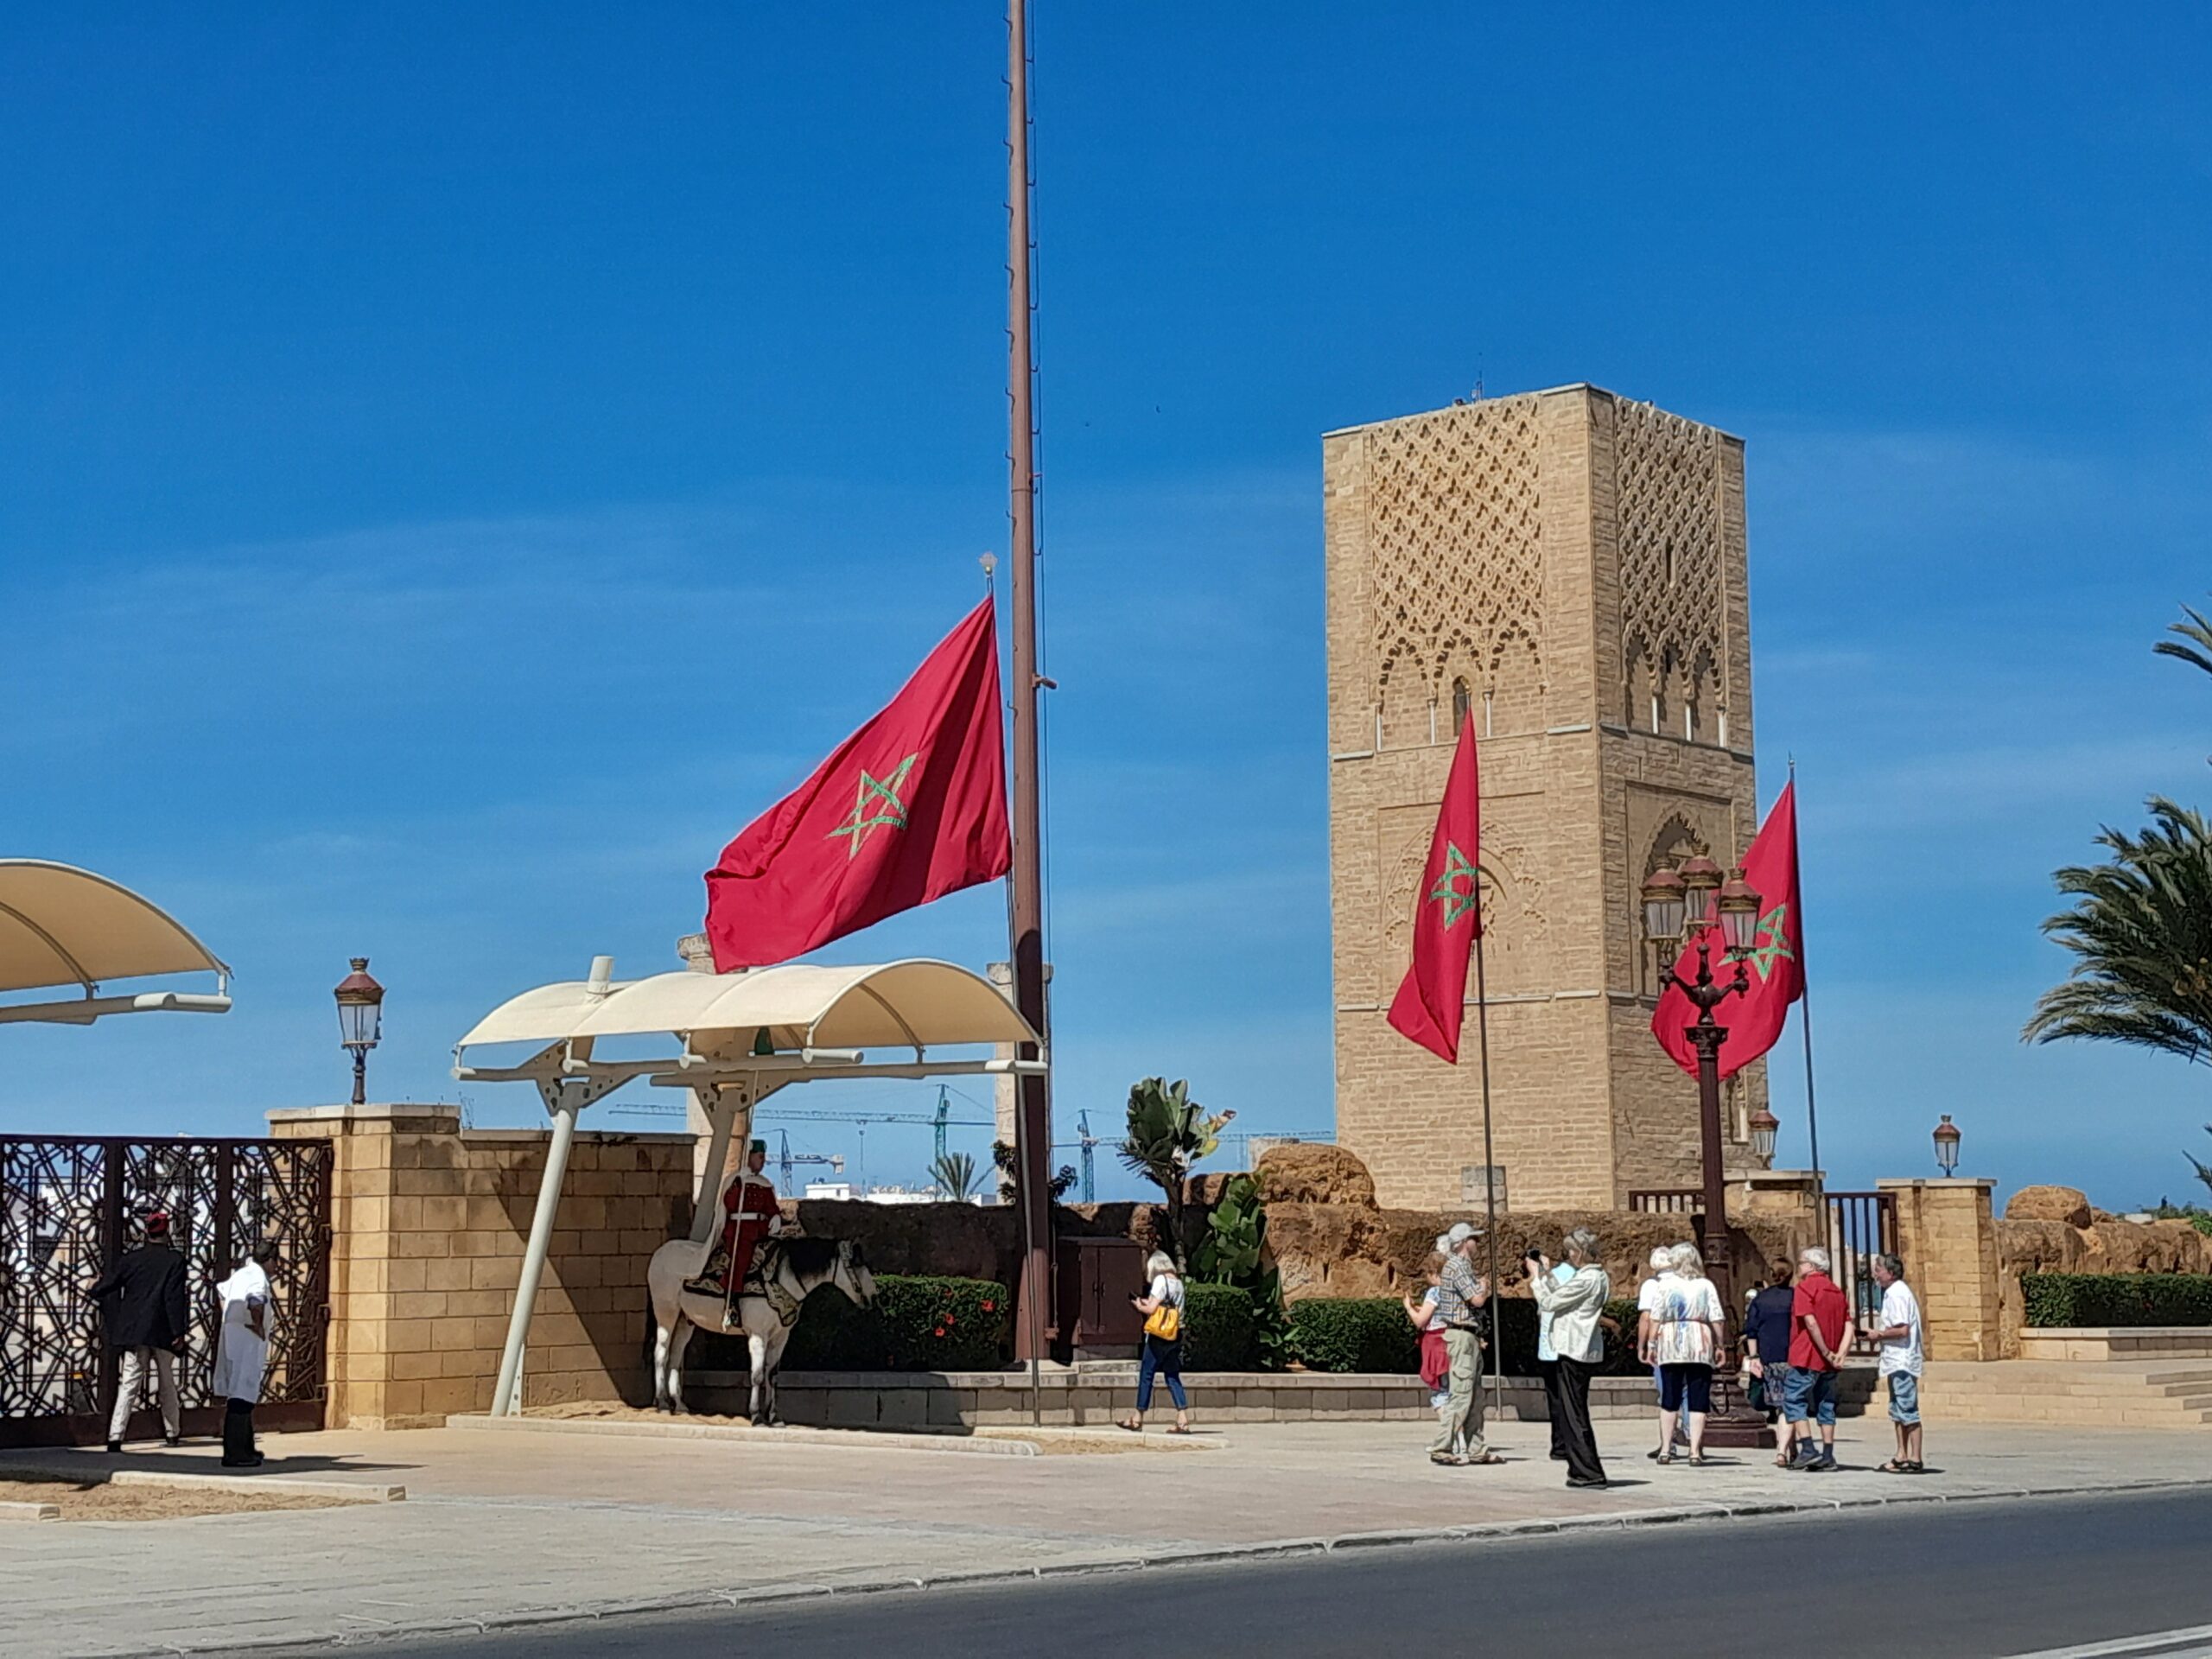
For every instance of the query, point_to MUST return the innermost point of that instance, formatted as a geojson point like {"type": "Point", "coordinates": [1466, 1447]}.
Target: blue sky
{"type": "Point", "coordinates": [462, 463]}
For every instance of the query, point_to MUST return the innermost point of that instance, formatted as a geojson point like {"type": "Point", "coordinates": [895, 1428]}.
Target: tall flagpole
{"type": "Point", "coordinates": [1489, 1159]}
{"type": "Point", "coordinates": [1026, 913]}
{"type": "Point", "coordinates": [1805, 1001]}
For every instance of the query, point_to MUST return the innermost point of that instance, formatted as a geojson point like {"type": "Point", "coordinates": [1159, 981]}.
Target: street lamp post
{"type": "Point", "coordinates": [1697, 898]}
{"type": "Point", "coordinates": [360, 1021]}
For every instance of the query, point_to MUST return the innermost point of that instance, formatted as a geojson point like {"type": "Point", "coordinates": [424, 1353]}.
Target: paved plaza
{"type": "Point", "coordinates": [507, 1527]}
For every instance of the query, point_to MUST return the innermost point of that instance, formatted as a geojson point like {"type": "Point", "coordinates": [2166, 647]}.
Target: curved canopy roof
{"type": "Point", "coordinates": [915, 1004]}
{"type": "Point", "coordinates": [60, 926]}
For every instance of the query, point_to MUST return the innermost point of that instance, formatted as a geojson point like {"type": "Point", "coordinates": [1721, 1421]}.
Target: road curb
{"type": "Point", "coordinates": [1194, 1556]}
{"type": "Point", "coordinates": [343, 1491]}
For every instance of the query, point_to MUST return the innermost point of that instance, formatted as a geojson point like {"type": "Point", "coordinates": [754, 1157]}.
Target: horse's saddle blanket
{"type": "Point", "coordinates": [761, 1280]}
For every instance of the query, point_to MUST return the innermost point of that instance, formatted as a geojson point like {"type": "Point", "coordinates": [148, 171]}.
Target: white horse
{"type": "Point", "coordinates": [803, 1264]}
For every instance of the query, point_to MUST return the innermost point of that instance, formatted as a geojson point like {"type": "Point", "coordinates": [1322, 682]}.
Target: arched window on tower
{"type": "Point", "coordinates": [1462, 703]}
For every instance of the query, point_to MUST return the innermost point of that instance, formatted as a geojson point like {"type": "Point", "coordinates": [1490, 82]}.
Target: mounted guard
{"type": "Point", "coordinates": [750, 1216]}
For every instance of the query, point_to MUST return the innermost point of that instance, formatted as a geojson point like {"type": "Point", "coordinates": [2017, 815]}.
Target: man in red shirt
{"type": "Point", "coordinates": [1820, 1319]}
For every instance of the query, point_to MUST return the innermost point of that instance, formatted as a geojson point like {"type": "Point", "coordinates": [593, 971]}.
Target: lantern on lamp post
{"type": "Point", "coordinates": [1947, 1138]}
{"type": "Point", "coordinates": [1763, 1125]}
{"type": "Point", "coordinates": [360, 1021]}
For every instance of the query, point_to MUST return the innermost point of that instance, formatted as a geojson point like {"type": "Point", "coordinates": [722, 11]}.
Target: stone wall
{"type": "Point", "coordinates": [1333, 1240]}
{"type": "Point", "coordinates": [427, 1226]}
{"type": "Point", "coordinates": [2055, 1229]}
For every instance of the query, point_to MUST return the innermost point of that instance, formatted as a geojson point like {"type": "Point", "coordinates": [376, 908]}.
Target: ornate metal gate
{"type": "Point", "coordinates": [68, 1206]}
{"type": "Point", "coordinates": [1860, 1226]}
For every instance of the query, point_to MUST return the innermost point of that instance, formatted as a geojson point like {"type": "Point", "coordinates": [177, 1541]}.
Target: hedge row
{"type": "Point", "coordinates": [917, 1324]}
{"type": "Point", "coordinates": [2068, 1300]}
{"type": "Point", "coordinates": [1373, 1334]}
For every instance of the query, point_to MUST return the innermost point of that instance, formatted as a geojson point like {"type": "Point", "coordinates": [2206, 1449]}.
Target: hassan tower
{"type": "Point", "coordinates": [1567, 567]}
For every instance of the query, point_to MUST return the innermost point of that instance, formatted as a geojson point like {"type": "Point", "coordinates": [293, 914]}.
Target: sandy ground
{"type": "Point", "coordinates": [1059, 1443]}
{"type": "Point", "coordinates": [83, 1500]}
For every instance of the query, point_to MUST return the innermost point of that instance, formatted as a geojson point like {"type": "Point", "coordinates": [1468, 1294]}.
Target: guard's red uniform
{"type": "Point", "coordinates": [749, 1206]}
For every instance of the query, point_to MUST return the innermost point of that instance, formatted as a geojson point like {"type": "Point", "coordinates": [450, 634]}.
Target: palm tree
{"type": "Point", "coordinates": [2141, 925]}
{"type": "Point", "coordinates": [1168, 1133]}
{"type": "Point", "coordinates": [2141, 934]}
{"type": "Point", "coordinates": [954, 1174]}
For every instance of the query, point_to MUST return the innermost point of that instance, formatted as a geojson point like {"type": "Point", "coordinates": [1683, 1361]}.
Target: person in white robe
{"type": "Point", "coordinates": [242, 1353]}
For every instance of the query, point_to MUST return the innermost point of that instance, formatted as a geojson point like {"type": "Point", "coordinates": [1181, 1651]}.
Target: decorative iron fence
{"type": "Point", "coordinates": [1860, 1226]}
{"type": "Point", "coordinates": [69, 1205]}
{"type": "Point", "coordinates": [1668, 1200]}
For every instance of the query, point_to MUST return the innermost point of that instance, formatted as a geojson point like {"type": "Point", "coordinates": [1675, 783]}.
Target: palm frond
{"type": "Point", "coordinates": [2197, 633]}
{"type": "Point", "coordinates": [2141, 931]}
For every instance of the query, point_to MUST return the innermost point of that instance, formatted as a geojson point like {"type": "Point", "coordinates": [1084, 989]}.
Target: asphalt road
{"type": "Point", "coordinates": [1983, 1579]}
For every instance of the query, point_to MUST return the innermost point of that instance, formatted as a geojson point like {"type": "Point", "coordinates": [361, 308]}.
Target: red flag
{"type": "Point", "coordinates": [1429, 1004]}
{"type": "Point", "coordinates": [1777, 960]}
{"type": "Point", "coordinates": [909, 808]}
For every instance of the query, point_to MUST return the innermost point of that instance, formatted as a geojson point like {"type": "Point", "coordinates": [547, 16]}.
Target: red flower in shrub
{"type": "Point", "coordinates": [990, 1307]}
{"type": "Point", "coordinates": [939, 1331]}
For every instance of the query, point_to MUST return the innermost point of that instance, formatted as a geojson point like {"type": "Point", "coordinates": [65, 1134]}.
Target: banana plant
{"type": "Point", "coordinates": [1168, 1134]}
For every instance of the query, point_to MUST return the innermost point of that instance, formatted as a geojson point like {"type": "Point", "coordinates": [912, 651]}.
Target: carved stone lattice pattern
{"type": "Point", "coordinates": [69, 1206]}
{"type": "Point", "coordinates": [1455, 538]}
{"type": "Point", "coordinates": [1667, 489]}
{"type": "Point", "coordinates": [1512, 911]}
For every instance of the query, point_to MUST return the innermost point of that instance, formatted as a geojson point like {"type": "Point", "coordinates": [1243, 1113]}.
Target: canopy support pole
{"type": "Point", "coordinates": [565, 1101]}
{"type": "Point", "coordinates": [725, 1101]}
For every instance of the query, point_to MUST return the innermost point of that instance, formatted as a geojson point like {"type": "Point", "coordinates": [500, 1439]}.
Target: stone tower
{"type": "Point", "coordinates": [1567, 566]}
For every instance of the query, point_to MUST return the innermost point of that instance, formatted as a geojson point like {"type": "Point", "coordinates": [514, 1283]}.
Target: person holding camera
{"type": "Point", "coordinates": [1573, 1305]}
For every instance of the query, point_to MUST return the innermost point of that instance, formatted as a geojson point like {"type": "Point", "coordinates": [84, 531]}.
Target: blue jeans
{"type": "Point", "coordinates": [1810, 1397]}
{"type": "Point", "coordinates": [1167, 1358]}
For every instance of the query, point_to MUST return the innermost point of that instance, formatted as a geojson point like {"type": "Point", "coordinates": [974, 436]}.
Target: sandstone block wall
{"type": "Point", "coordinates": [427, 1227]}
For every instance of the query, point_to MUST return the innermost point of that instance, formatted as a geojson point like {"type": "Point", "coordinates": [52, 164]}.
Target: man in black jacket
{"type": "Point", "coordinates": [144, 1312]}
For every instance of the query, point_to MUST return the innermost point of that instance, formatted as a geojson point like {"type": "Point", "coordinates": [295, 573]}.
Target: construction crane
{"type": "Point", "coordinates": [1086, 1140]}
{"type": "Point", "coordinates": [786, 1158]}
{"type": "Point", "coordinates": [943, 1117]}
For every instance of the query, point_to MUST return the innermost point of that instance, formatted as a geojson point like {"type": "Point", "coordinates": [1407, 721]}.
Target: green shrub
{"type": "Point", "coordinates": [915, 1324]}
{"type": "Point", "coordinates": [1218, 1328]}
{"type": "Point", "coordinates": [2066, 1299]}
{"type": "Point", "coordinates": [1373, 1334]}
{"type": "Point", "coordinates": [1354, 1333]}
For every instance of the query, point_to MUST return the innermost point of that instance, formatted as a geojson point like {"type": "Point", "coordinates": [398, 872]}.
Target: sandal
{"type": "Point", "coordinates": [1487, 1457]}
{"type": "Point", "coordinates": [1179, 1429]}
{"type": "Point", "coordinates": [1135, 1425]}
{"type": "Point", "coordinates": [1663, 1457]}
{"type": "Point", "coordinates": [1697, 1460]}
{"type": "Point", "coordinates": [1894, 1467]}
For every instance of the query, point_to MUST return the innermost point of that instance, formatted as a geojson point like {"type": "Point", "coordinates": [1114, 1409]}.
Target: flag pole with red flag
{"type": "Point", "coordinates": [909, 808]}
{"type": "Point", "coordinates": [1430, 1002]}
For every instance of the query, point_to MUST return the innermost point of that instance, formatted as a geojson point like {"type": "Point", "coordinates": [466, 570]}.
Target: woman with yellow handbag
{"type": "Point", "coordinates": [1163, 1343]}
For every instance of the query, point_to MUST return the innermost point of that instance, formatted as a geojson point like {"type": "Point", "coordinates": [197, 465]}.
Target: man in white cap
{"type": "Point", "coordinates": [1461, 1295]}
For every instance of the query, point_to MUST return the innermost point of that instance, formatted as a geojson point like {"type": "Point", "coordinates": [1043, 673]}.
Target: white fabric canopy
{"type": "Point", "coordinates": [915, 1004]}
{"type": "Point", "coordinates": [60, 926]}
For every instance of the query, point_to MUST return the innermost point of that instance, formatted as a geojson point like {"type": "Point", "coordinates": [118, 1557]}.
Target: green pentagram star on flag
{"type": "Point", "coordinates": [1773, 943]}
{"type": "Point", "coordinates": [876, 805]}
{"type": "Point", "coordinates": [1457, 868]}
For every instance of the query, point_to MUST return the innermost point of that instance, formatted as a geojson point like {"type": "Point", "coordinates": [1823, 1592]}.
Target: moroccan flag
{"type": "Point", "coordinates": [909, 808]}
{"type": "Point", "coordinates": [1428, 1005]}
{"type": "Point", "coordinates": [1777, 961]}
